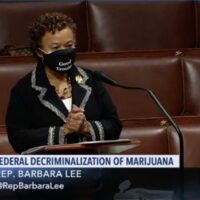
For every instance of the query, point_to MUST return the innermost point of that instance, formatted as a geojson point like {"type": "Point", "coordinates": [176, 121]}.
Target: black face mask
{"type": "Point", "coordinates": [60, 60]}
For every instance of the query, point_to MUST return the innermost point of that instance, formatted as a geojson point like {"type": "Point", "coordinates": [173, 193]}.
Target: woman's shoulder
{"type": "Point", "coordinates": [23, 83]}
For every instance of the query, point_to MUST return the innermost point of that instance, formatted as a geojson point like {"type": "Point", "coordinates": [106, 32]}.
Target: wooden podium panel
{"type": "Point", "coordinates": [121, 146]}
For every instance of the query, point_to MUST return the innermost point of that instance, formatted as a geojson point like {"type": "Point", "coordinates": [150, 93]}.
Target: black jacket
{"type": "Point", "coordinates": [36, 115]}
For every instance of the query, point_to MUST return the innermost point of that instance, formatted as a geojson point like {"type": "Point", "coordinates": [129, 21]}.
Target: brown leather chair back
{"type": "Point", "coordinates": [160, 72]}
{"type": "Point", "coordinates": [136, 25]}
{"type": "Point", "coordinates": [15, 18]}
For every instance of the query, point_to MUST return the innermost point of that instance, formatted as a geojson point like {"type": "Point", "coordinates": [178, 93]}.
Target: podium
{"type": "Point", "coordinates": [121, 146]}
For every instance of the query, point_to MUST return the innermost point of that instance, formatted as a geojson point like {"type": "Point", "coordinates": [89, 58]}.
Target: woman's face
{"type": "Point", "coordinates": [59, 40]}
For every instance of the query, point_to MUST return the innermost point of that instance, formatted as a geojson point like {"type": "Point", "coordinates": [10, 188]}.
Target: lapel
{"type": "Point", "coordinates": [48, 97]}
{"type": "Point", "coordinates": [80, 90]}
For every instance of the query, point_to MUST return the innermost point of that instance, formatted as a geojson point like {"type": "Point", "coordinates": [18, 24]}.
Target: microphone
{"type": "Point", "coordinates": [100, 76]}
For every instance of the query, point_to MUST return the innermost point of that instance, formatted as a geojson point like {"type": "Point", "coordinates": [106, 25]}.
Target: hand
{"type": "Point", "coordinates": [84, 129]}
{"type": "Point", "coordinates": [75, 120]}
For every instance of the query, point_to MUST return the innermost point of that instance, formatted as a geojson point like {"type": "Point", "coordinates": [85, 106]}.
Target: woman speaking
{"type": "Point", "coordinates": [58, 102]}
